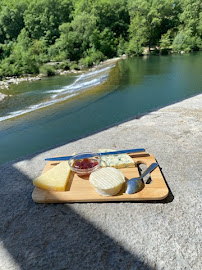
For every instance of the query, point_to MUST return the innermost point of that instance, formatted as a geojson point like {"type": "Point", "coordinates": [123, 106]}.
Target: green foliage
{"type": "Point", "coordinates": [165, 40]}
{"type": "Point", "coordinates": [43, 18]}
{"type": "Point", "coordinates": [80, 33]}
{"type": "Point", "coordinates": [107, 43]}
{"type": "Point", "coordinates": [18, 64]}
{"type": "Point", "coordinates": [179, 42]}
{"type": "Point", "coordinates": [155, 51]}
{"type": "Point", "coordinates": [122, 46]}
{"type": "Point", "coordinates": [191, 26]}
{"type": "Point", "coordinates": [110, 14]}
{"type": "Point", "coordinates": [47, 70]}
{"type": "Point", "coordinates": [134, 47]}
{"type": "Point", "coordinates": [11, 21]}
{"type": "Point", "coordinates": [74, 66]}
{"type": "Point", "coordinates": [91, 59]}
{"type": "Point", "coordinates": [191, 15]}
{"type": "Point", "coordinates": [6, 49]}
{"type": "Point", "coordinates": [150, 20]}
{"type": "Point", "coordinates": [138, 35]}
{"type": "Point", "coordinates": [185, 41]}
{"type": "Point", "coordinates": [74, 37]}
{"type": "Point", "coordinates": [65, 65]}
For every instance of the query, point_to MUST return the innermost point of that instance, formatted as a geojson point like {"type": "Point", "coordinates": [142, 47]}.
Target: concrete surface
{"type": "Point", "coordinates": [155, 235]}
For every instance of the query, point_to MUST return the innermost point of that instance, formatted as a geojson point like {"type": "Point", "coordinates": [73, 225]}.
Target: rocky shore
{"type": "Point", "coordinates": [16, 80]}
{"type": "Point", "coordinates": [123, 235]}
{"type": "Point", "coordinates": [5, 84]}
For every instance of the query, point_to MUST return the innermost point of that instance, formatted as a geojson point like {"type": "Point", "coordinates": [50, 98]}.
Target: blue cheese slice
{"type": "Point", "coordinates": [116, 161]}
{"type": "Point", "coordinates": [107, 181]}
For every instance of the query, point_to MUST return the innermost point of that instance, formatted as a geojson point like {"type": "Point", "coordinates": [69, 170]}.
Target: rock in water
{"type": "Point", "coordinates": [2, 96]}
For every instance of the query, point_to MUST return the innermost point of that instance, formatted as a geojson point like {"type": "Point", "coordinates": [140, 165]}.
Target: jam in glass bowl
{"type": "Point", "coordinates": [85, 163]}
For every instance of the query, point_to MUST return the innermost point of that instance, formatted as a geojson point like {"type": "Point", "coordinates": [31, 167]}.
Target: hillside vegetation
{"type": "Point", "coordinates": [80, 33]}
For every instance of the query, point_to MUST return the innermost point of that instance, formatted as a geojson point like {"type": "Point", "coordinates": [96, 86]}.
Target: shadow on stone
{"type": "Point", "coordinates": [53, 236]}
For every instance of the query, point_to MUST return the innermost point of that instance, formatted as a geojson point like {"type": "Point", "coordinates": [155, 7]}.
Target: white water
{"type": "Point", "coordinates": [82, 83]}
{"type": "Point", "coordinates": [76, 86]}
{"type": "Point", "coordinates": [33, 108]}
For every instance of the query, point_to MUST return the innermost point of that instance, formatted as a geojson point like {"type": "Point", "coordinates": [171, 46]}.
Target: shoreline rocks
{"type": "Point", "coordinates": [16, 80]}
{"type": "Point", "coordinates": [2, 96]}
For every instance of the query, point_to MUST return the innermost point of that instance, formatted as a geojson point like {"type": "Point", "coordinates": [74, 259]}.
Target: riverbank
{"type": "Point", "coordinates": [122, 235]}
{"type": "Point", "coordinates": [6, 82]}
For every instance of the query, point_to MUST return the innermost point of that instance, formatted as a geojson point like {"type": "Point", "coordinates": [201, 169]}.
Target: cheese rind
{"type": "Point", "coordinates": [116, 161]}
{"type": "Point", "coordinates": [107, 181]}
{"type": "Point", "coordinates": [54, 179]}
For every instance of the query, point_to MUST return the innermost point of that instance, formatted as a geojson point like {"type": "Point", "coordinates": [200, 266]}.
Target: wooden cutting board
{"type": "Point", "coordinates": [79, 189]}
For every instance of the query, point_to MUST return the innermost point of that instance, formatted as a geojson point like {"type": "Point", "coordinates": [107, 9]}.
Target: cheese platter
{"type": "Point", "coordinates": [79, 189]}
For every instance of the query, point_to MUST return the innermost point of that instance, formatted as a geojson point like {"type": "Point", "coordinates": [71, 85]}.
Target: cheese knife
{"type": "Point", "coordinates": [87, 155]}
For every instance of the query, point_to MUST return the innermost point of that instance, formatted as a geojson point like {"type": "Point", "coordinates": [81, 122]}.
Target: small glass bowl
{"type": "Point", "coordinates": [91, 157]}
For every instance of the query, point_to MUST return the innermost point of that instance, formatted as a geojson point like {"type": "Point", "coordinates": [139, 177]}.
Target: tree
{"type": "Point", "coordinates": [11, 21]}
{"type": "Point", "coordinates": [190, 17]}
{"type": "Point", "coordinates": [165, 41]}
{"type": "Point", "coordinates": [43, 18]}
{"type": "Point", "coordinates": [150, 19]}
{"type": "Point", "coordinates": [138, 34]}
{"type": "Point", "coordinates": [75, 37]}
{"type": "Point", "coordinates": [111, 14]}
{"type": "Point", "coordinates": [191, 26]}
{"type": "Point", "coordinates": [185, 41]}
{"type": "Point", "coordinates": [33, 32]}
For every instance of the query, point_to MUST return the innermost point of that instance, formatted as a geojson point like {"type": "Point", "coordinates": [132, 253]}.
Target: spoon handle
{"type": "Point", "coordinates": [149, 169]}
{"type": "Point", "coordinates": [134, 184]}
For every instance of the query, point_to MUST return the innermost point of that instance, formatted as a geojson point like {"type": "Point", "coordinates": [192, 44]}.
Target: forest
{"type": "Point", "coordinates": [80, 33]}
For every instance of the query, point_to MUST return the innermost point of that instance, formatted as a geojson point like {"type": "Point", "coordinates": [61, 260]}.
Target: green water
{"type": "Point", "coordinates": [132, 87]}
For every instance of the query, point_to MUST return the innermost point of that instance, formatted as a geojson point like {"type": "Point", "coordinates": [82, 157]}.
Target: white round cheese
{"type": "Point", "coordinates": [107, 181]}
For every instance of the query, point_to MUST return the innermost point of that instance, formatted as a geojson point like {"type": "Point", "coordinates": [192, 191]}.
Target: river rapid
{"type": "Point", "coordinates": [42, 114]}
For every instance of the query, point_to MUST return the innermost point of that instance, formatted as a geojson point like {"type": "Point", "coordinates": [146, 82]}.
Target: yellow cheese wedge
{"type": "Point", "coordinates": [54, 179]}
{"type": "Point", "coordinates": [107, 181]}
{"type": "Point", "coordinates": [116, 161]}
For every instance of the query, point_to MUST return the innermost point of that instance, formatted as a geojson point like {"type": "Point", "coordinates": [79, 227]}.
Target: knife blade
{"type": "Point", "coordinates": [128, 151]}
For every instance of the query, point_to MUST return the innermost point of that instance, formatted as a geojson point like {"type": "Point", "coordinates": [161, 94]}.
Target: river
{"type": "Point", "coordinates": [56, 110]}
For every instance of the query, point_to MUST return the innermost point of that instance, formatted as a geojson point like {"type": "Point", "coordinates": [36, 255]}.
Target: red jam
{"type": "Point", "coordinates": [85, 163]}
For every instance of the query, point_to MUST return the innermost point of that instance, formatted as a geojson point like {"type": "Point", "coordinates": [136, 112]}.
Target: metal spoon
{"type": "Point", "coordinates": [134, 184]}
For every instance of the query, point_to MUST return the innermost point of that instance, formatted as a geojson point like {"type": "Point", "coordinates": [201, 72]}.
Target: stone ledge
{"type": "Point", "coordinates": [159, 235]}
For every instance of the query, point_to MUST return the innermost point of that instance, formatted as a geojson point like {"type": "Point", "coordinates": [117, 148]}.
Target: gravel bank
{"type": "Point", "coordinates": [158, 235]}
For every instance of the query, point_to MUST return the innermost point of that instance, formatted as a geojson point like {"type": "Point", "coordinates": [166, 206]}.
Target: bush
{"type": "Point", "coordinates": [134, 47]}
{"type": "Point", "coordinates": [10, 67]}
{"type": "Point", "coordinates": [97, 56]}
{"type": "Point", "coordinates": [122, 46]}
{"type": "Point", "coordinates": [165, 51]}
{"type": "Point", "coordinates": [56, 54]}
{"type": "Point", "coordinates": [165, 40]}
{"type": "Point", "coordinates": [184, 41]}
{"type": "Point", "coordinates": [156, 51]}
{"type": "Point", "coordinates": [92, 59]}
{"type": "Point", "coordinates": [47, 70]}
{"type": "Point", "coordinates": [65, 65]}
{"type": "Point", "coordinates": [74, 66]}
{"type": "Point", "coordinates": [86, 62]}
{"type": "Point", "coordinates": [179, 42]}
